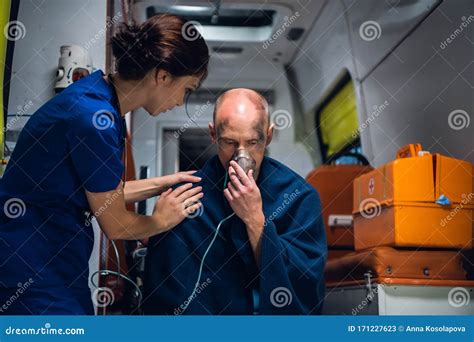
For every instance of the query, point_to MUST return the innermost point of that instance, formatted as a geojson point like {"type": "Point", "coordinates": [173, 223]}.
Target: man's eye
{"type": "Point", "coordinates": [253, 142]}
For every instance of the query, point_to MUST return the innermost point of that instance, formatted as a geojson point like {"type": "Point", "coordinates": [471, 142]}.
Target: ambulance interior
{"type": "Point", "coordinates": [372, 102]}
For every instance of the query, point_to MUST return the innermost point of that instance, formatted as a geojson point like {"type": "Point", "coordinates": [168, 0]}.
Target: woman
{"type": "Point", "coordinates": [68, 162]}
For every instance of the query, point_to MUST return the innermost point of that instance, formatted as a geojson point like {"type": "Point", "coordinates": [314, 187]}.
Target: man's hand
{"type": "Point", "coordinates": [243, 195]}
{"type": "Point", "coordinates": [245, 199]}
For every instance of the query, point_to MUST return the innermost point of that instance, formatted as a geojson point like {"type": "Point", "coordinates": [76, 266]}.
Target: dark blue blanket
{"type": "Point", "coordinates": [293, 252]}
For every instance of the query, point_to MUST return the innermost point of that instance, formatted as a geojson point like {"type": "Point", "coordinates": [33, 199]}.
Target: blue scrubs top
{"type": "Point", "coordinates": [71, 144]}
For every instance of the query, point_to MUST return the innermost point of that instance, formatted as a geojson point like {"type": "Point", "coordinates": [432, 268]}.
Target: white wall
{"type": "Point", "coordinates": [48, 25]}
{"type": "Point", "coordinates": [404, 66]}
{"type": "Point", "coordinates": [424, 84]}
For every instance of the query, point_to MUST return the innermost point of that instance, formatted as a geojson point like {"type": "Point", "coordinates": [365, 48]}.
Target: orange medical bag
{"type": "Point", "coordinates": [335, 186]}
{"type": "Point", "coordinates": [415, 201]}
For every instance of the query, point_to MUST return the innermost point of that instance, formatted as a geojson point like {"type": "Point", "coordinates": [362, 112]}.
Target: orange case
{"type": "Point", "coordinates": [454, 178]}
{"type": "Point", "coordinates": [396, 205]}
{"type": "Point", "coordinates": [412, 224]}
{"type": "Point", "coordinates": [410, 150]}
{"type": "Point", "coordinates": [335, 186]}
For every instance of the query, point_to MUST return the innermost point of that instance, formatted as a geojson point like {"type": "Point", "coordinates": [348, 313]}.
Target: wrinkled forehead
{"type": "Point", "coordinates": [237, 127]}
{"type": "Point", "coordinates": [241, 116]}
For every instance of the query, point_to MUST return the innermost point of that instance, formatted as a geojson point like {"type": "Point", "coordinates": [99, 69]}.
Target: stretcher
{"type": "Point", "coordinates": [389, 281]}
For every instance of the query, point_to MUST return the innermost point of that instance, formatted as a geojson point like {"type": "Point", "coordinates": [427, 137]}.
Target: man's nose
{"type": "Point", "coordinates": [240, 147]}
{"type": "Point", "coordinates": [237, 149]}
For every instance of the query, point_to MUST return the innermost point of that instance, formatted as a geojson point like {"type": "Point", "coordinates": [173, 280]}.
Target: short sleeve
{"type": "Point", "coordinates": [95, 147]}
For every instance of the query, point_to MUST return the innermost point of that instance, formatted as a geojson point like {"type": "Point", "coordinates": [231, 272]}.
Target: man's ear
{"type": "Point", "coordinates": [270, 134]}
{"type": "Point", "coordinates": [212, 132]}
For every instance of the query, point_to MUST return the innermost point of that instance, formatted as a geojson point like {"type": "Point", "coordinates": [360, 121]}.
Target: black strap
{"type": "Point", "coordinates": [360, 157]}
{"type": "Point", "coordinates": [124, 126]}
{"type": "Point", "coordinates": [117, 105]}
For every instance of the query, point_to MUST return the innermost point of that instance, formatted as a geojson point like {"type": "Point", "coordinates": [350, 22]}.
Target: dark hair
{"type": "Point", "coordinates": [165, 42]}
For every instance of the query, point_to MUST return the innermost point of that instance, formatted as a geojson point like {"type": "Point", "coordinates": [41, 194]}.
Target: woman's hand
{"type": "Point", "coordinates": [120, 224]}
{"type": "Point", "coordinates": [174, 206]}
{"type": "Point", "coordinates": [139, 190]}
{"type": "Point", "coordinates": [166, 182]}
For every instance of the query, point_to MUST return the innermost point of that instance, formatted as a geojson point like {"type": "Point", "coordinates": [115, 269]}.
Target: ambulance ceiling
{"type": "Point", "coordinates": [265, 31]}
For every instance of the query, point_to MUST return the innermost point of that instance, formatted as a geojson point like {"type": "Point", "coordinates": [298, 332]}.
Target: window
{"type": "Point", "coordinates": [337, 124]}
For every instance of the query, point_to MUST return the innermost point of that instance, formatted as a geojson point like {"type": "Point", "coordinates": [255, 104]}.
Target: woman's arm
{"type": "Point", "coordinates": [139, 190]}
{"type": "Point", "coordinates": [118, 223]}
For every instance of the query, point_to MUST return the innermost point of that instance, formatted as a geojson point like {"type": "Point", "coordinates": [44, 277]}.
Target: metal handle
{"type": "Point", "coordinates": [340, 221]}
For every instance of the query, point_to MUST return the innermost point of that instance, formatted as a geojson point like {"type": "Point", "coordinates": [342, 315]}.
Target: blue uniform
{"type": "Point", "coordinates": [293, 252]}
{"type": "Point", "coordinates": [71, 144]}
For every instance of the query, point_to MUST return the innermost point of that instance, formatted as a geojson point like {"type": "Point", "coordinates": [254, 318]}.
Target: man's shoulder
{"type": "Point", "coordinates": [211, 173]}
{"type": "Point", "coordinates": [279, 167]}
{"type": "Point", "coordinates": [275, 172]}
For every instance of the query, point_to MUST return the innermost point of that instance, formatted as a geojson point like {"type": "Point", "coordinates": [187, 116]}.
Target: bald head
{"type": "Point", "coordinates": [241, 101]}
{"type": "Point", "coordinates": [241, 122]}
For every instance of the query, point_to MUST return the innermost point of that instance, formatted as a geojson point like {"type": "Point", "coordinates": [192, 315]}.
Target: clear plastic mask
{"type": "Point", "coordinates": [245, 161]}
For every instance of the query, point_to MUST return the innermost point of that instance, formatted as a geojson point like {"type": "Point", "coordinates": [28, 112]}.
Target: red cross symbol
{"type": "Point", "coordinates": [371, 186]}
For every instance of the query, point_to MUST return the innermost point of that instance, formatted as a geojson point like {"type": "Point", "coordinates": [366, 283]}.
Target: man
{"type": "Point", "coordinates": [269, 257]}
